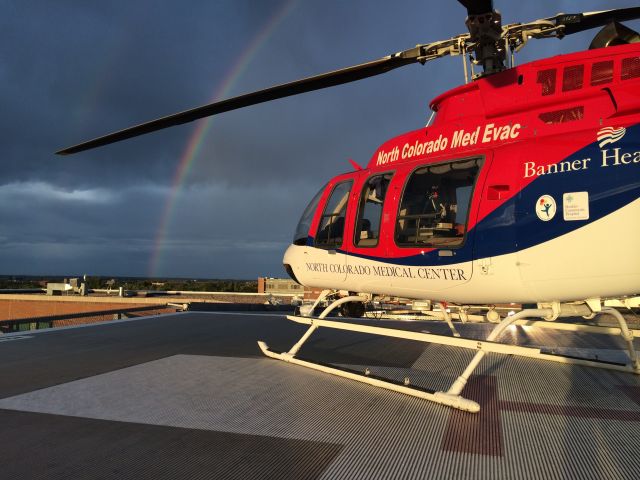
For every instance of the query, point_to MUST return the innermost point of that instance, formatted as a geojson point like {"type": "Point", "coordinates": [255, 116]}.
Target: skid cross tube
{"type": "Point", "coordinates": [452, 397]}
{"type": "Point", "coordinates": [447, 318]}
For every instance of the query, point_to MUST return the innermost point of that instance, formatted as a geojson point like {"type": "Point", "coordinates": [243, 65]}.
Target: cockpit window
{"type": "Point", "coordinates": [370, 211]}
{"type": "Point", "coordinates": [304, 225]}
{"type": "Point", "coordinates": [331, 229]}
{"type": "Point", "coordinates": [435, 205]}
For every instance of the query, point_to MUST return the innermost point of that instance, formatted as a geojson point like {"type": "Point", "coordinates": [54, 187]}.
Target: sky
{"type": "Point", "coordinates": [211, 199]}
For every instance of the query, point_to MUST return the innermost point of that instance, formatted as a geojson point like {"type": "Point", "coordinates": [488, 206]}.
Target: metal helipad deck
{"type": "Point", "coordinates": [190, 396]}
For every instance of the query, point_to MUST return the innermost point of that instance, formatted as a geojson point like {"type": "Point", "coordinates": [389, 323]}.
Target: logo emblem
{"type": "Point", "coordinates": [609, 135]}
{"type": "Point", "coordinates": [546, 208]}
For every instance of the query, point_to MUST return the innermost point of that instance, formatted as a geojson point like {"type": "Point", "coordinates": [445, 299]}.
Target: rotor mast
{"type": "Point", "coordinates": [485, 35]}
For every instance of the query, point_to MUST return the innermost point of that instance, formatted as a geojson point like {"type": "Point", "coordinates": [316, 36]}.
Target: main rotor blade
{"type": "Point", "coordinates": [317, 82]}
{"type": "Point", "coordinates": [578, 22]}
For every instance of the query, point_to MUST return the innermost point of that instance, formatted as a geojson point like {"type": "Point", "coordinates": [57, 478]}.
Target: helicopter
{"type": "Point", "coordinates": [509, 194]}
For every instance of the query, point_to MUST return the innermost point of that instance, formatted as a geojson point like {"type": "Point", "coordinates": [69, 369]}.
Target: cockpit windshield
{"type": "Point", "coordinates": [302, 230]}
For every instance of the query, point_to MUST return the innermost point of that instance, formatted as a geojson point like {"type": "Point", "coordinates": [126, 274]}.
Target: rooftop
{"type": "Point", "coordinates": [189, 395]}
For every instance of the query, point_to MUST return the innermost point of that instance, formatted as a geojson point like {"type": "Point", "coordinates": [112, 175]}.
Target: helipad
{"type": "Point", "coordinates": [190, 396]}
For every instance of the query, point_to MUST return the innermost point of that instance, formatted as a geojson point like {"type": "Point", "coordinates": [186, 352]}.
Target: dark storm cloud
{"type": "Point", "coordinates": [76, 70]}
{"type": "Point", "coordinates": [74, 228]}
{"type": "Point", "coordinates": [49, 229]}
{"type": "Point", "coordinates": [73, 70]}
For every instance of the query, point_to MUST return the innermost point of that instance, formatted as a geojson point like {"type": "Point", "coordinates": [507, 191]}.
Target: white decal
{"type": "Point", "coordinates": [460, 138]}
{"type": "Point", "coordinates": [419, 148]}
{"type": "Point", "coordinates": [610, 158]}
{"type": "Point", "coordinates": [388, 157]}
{"type": "Point", "coordinates": [609, 135]}
{"type": "Point", "coordinates": [505, 132]}
{"type": "Point", "coordinates": [425, 273]}
{"type": "Point", "coordinates": [464, 139]}
{"type": "Point", "coordinates": [533, 170]}
{"type": "Point", "coordinates": [546, 208]}
{"type": "Point", "coordinates": [575, 206]}
{"type": "Point", "coordinates": [616, 159]}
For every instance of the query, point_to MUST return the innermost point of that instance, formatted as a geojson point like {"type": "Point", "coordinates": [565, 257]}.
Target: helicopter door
{"type": "Point", "coordinates": [434, 232]}
{"type": "Point", "coordinates": [373, 223]}
{"type": "Point", "coordinates": [332, 228]}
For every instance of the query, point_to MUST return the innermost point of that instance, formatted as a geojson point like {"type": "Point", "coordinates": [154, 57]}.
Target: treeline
{"type": "Point", "coordinates": [223, 285]}
{"type": "Point", "coordinates": [18, 283]}
{"type": "Point", "coordinates": [242, 286]}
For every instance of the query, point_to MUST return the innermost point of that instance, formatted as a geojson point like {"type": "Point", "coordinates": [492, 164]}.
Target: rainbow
{"type": "Point", "coordinates": [196, 139]}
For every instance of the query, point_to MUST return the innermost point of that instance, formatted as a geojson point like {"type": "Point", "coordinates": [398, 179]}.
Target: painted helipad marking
{"type": "Point", "coordinates": [480, 434]}
{"type": "Point", "coordinates": [385, 434]}
{"type": "Point", "coordinates": [14, 337]}
{"type": "Point", "coordinates": [571, 411]}
{"type": "Point", "coordinates": [632, 392]}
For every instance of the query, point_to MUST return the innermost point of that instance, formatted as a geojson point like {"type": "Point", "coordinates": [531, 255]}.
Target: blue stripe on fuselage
{"type": "Point", "coordinates": [515, 226]}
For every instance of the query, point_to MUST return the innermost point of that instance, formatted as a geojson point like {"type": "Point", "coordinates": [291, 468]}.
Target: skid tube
{"type": "Point", "coordinates": [452, 397]}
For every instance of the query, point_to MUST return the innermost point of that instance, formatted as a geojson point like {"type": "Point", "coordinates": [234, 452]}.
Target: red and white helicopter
{"type": "Point", "coordinates": [524, 187]}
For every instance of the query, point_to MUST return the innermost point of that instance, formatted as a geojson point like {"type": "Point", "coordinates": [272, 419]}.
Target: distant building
{"type": "Point", "coordinates": [69, 286]}
{"type": "Point", "coordinates": [312, 293]}
{"type": "Point", "coordinates": [280, 286]}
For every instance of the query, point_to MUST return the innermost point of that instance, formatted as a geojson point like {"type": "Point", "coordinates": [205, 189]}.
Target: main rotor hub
{"type": "Point", "coordinates": [485, 31]}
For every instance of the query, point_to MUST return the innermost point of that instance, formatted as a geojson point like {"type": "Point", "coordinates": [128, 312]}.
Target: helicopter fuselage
{"type": "Point", "coordinates": [526, 188]}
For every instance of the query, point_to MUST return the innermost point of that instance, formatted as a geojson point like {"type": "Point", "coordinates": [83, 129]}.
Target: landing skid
{"type": "Point", "coordinates": [452, 397]}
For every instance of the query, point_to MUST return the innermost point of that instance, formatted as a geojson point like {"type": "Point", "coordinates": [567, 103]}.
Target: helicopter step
{"type": "Point", "coordinates": [452, 397]}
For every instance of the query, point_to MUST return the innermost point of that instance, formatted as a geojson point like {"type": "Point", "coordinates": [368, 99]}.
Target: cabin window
{"type": "Point", "coordinates": [304, 225]}
{"type": "Point", "coordinates": [547, 78]}
{"type": "Point", "coordinates": [367, 232]}
{"type": "Point", "coordinates": [630, 68]}
{"type": "Point", "coordinates": [601, 73]}
{"type": "Point", "coordinates": [572, 78]}
{"type": "Point", "coordinates": [435, 205]}
{"type": "Point", "coordinates": [331, 229]}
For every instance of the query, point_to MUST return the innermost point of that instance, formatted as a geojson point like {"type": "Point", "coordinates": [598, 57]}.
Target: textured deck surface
{"type": "Point", "coordinates": [190, 396]}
